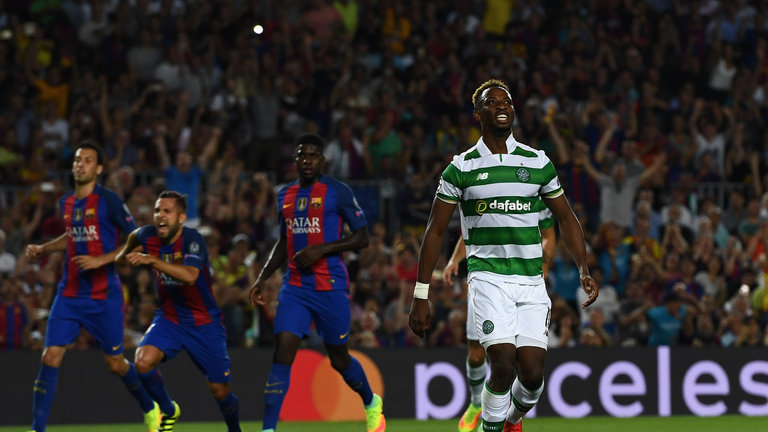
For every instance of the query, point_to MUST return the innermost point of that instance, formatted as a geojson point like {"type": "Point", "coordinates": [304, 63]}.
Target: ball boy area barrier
{"type": "Point", "coordinates": [415, 383]}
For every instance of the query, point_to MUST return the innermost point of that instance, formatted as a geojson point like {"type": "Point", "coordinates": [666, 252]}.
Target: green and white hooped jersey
{"type": "Point", "coordinates": [499, 197]}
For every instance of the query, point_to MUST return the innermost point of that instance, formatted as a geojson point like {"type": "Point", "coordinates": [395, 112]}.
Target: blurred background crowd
{"type": "Point", "coordinates": [653, 111]}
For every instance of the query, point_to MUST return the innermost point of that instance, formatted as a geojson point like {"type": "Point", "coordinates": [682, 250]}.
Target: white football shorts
{"type": "Point", "coordinates": [501, 311]}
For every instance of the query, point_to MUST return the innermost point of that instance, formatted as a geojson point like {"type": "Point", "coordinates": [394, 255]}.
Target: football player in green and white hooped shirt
{"type": "Point", "coordinates": [476, 367]}
{"type": "Point", "coordinates": [496, 184]}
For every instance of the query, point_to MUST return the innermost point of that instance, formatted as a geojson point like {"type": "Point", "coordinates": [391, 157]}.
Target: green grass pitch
{"type": "Point", "coordinates": [589, 424]}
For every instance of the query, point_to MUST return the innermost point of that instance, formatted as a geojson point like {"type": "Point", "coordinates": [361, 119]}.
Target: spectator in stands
{"type": "Point", "coordinates": [14, 316]}
{"type": "Point", "coordinates": [144, 57]}
{"type": "Point", "coordinates": [186, 175]}
{"type": "Point", "coordinates": [666, 321]}
{"type": "Point", "coordinates": [414, 202]}
{"type": "Point", "coordinates": [346, 156]}
{"type": "Point", "coordinates": [736, 211]}
{"type": "Point", "coordinates": [750, 225]}
{"type": "Point", "coordinates": [634, 329]}
{"type": "Point", "coordinates": [617, 191]}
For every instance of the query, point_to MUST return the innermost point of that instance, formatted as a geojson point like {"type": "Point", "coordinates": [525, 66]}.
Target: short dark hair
{"type": "Point", "coordinates": [95, 147]}
{"type": "Point", "coordinates": [486, 85]}
{"type": "Point", "coordinates": [181, 199]}
{"type": "Point", "coordinates": [309, 138]}
{"type": "Point", "coordinates": [671, 296]}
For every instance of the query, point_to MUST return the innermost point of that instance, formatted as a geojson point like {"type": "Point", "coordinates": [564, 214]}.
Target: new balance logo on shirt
{"type": "Point", "coordinates": [482, 176]}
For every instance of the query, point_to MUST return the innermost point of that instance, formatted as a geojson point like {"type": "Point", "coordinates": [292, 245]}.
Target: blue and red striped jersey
{"type": "Point", "coordinates": [92, 225]}
{"type": "Point", "coordinates": [316, 215]}
{"type": "Point", "coordinates": [183, 304]}
{"type": "Point", "coordinates": [13, 319]}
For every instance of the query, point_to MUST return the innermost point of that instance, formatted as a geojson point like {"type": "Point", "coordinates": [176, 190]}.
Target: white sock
{"type": "Point", "coordinates": [522, 401]}
{"type": "Point", "coordinates": [475, 381]}
{"type": "Point", "coordinates": [495, 408]}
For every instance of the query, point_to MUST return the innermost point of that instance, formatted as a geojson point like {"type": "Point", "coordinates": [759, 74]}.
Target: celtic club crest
{"type": "Point", "coordinates": [487, 326]}
{"type": "Point", "coordinates": [523, 175]}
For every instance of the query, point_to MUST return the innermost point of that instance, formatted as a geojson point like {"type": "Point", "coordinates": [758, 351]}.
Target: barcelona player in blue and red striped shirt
{"type": "Point", "coordinates": [312, 213]}
{"type": "Point", "coordinates": [188, 317]}
{"type": "Point", "coordinates": [89, 295]}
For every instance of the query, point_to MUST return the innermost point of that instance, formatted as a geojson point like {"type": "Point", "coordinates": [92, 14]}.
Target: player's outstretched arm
{"type": "Point", "coordinates": [277, 257]}
{"type": "Point", "coordinates": [570, 228]}
{"type": "Point", "coordinates": [439, 217]}
{"type": "Point", "coordinates": [452, 267]}
{"type": "Point", "coordinates": [58, 244]}
{"type": "Point", "coordinates": [307, 256]}
{"type": "Point", "coordinates": [90, 262]}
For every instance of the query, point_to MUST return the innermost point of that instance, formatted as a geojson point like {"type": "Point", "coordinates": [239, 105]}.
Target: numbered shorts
{"type": "Point", "coordinates": [500, 311]}
{"type": "Point", "coordinates": [298, 307]}
{"type": "Point", "coordinates": [103, 319]}
{"type": "Point", "coordinates": [206, 345]}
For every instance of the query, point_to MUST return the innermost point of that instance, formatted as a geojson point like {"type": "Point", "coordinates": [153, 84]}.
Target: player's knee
{"type": "Point", "coordinates": [531, 380]}
{"type": "Point", "coordinates": [219, 391]}
{"type": "Point", "coordinates": [117, 365]}
{"type": "Point", "coordinates": [52, 357]}
{"type": "Point", "coordinates": [143, 365]}
{"type": "Point", "coordinates": [476, 355]}
{"type": "Point", "coordinates": [340, 363]}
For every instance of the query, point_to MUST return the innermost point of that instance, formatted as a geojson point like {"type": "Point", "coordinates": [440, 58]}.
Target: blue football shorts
{"type": "Point", "coordinates": [205, 344]}
{"type": "Point", "coordinates": [298, 307]}
{"type": "Point", "coordinates": [103, 319]}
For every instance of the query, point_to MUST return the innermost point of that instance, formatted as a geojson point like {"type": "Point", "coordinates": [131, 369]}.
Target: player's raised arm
{"type": "Point", "coordinates": [570, 228]}
{"type": "Point", "coordinates": [58, 244]}
{"type": "Point", "coordinates": [439, 218]}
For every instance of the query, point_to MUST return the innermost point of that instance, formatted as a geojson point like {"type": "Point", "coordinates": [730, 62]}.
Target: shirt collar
{"type": "Point", "coordinates": [485, 151]}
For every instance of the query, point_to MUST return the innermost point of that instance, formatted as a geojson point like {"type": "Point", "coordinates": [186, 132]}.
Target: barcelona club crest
{"type": "Point", "coordinates": [316, 202]}
{"type": "Point", "coordinates": [301, 204]}
{"type": "Point", "coordinates": [90, 213]}
{"type": "Point", "coordinates": [78, 216]}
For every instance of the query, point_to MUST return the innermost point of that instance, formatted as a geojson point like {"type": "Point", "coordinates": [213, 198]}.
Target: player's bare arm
{"type": "Point", "coordinates": [90, 262]}
{"type": "Point", "coordinates": [307, 256]}
{"type": "Point", "coordinates": [276, 259]}
{"type": "Point", "coordinates": [58, 244]}
{"type": "Point", "coordinates": [184, 273]}
{"type": "Point", "coordinates": [439, 217]}
{"type": "Point", "coordinates": [570, 228]}
{"type": "Point", "coordinates": [132, 244]}
{"type": "Point", "coordinates": [452, 267]}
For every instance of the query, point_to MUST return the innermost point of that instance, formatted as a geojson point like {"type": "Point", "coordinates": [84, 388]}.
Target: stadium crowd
{"type": "Point", "coordinates": [653, 111]}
